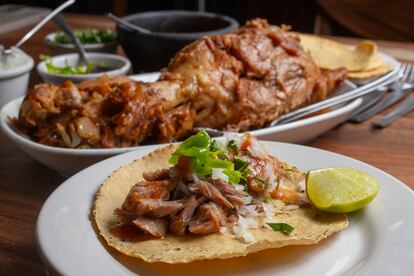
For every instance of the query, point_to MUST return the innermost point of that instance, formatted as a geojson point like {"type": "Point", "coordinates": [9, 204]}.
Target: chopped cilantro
{"type": "Point", "coordinates": [66, 69]}
{"type": "Point", "coordinates": [232, 145]}
{"type": "Point", "coordinates": [281, 227]}
{"type": "Point", "coordinates": [240, 164]}
{"type": "Point", "coordinates": [260, 181]}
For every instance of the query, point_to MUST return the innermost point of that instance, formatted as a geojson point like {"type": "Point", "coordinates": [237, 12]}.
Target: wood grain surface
{"type": "Point", "coordinates": [25, 184]}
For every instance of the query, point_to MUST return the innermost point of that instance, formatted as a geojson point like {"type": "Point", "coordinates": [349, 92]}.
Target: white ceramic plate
{"type": "Point", "coordinates": [378, 241]}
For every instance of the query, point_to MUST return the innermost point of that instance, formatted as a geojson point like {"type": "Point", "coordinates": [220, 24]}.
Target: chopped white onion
{"type": "Point", "coordinates": [233, 136]}
{"type": "Point", "coordinates": [268, 209]}
{"type": "Point", "coordinates": [248, 211]}
{"type": "Point", "coordinates": [223, 230]}
{"type": "Point", "coordinates": [251, 210]}
{"type": "Point", "coordinates": [243, 234]}
{"type": "Point", "coordinates": [241, 229]}
{"type": "Point", "coordinates": [302, 185]}
{"type": "Point", "coordinates": [237, 229]}
{"type": "Point", "coordinates": [247, 222]}
{"type": "Point", "coordinates": [252, 223]}
{"type": "Point", "coordinates": [247, 237]}
{"type": "Point", "coordinates": [290, 207]}
{"type": "Point", "coordinates": [239, 187]}
{"type": "Point", "coordinates": [257, 149]}
{"type": "Point", "coordinates": [268, 172]}
{"type": "Point", "coordinates": [242, 222]}
{"type": "Point", "coordinates": [219, 174]}
{"type": "Point", "coordinates": [247, 199]}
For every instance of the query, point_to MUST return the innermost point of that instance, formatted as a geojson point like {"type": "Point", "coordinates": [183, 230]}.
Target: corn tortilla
{"type": "Point", "coordinates": [311, 226]}
{"type": "Point", "coordinates": [361, 61]}
{"type": "Point", "coordinates": [384, 68]}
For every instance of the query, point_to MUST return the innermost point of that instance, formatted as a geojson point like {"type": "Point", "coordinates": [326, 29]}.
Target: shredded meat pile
{"type": "Point", "coordinates": [162, 204]}
{"type": "Point", "coordinates": [236, 81]}
{"type": "Point", "coordinates": [179, 202]}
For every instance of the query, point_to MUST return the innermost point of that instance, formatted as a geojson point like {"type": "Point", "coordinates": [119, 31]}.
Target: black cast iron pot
{"type": "Point", "coordinates": [170, 32]}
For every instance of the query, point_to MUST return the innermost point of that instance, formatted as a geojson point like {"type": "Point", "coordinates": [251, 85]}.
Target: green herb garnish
{"type": "Point", "coordinates": [281, 227]}
{"type": "Point", "coordinates": [87, 36]}
{"type": "Point", "coordinates": [245, 173]}
{"type": "Point", "coordinates": [232, 145]}
{"type": "Point", "coordinates": [240, 164]}
{"type": "Point", "coordinates": [217, 146]}
{"type": "Point", "coordinates": [206, 154]}
{"type": "Point", "coordinates": [67, 69]}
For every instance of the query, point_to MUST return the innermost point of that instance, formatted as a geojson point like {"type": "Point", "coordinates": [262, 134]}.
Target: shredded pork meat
{"type": "Point", "coordinates": [183, 200]}
{"type": "Point", "coordinates": [204, 209]}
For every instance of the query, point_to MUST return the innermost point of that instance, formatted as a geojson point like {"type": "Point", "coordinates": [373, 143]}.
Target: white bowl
{"type": "Point", "coordinates": [64, 160]}
{"type": "Point", "coordinates": [69, 161]}
{"type": "Point", "coordinates": [57, 48]}
{"type": "Point", "coordinates": [14, 81]}
{"type": "Point", "coordinates": [118, 65]}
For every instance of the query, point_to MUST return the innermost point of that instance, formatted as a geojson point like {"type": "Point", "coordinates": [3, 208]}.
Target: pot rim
{"type": "Point", "coordinates": [232, 24]}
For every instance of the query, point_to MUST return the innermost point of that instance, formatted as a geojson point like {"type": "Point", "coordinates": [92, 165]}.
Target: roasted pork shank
{"type": "Point", "coordinates": [237, 81]}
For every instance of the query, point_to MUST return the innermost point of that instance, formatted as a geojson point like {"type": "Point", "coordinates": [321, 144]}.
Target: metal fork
{"type": "Point", "coordinates": [404, 108]}
{"type": "Point", "coordinates": [401, 89]}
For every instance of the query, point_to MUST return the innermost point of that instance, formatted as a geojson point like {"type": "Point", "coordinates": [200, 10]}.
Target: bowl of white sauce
{"type": "Point", "coordinates": [14, 74]}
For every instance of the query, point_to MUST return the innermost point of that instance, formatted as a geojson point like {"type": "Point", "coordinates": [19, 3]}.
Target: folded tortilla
{"type": "Point", "coordinates": [362, 61]}
{"type": "Point", "coordinates": [311, 225]}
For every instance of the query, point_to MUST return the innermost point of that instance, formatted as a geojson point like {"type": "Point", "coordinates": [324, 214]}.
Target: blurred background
{"type": "Point", "coordinates": [376, 19]}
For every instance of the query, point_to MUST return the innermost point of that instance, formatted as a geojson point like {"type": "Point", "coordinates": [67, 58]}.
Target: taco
{"type": "Point", "coordinates": [205, 199]}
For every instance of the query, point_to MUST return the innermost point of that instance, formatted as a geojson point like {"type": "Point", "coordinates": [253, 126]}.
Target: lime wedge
{"type": "Point", "coordinates": [340, 190]}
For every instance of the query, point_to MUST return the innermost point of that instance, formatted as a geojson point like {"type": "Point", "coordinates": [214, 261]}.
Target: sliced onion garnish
{"type": "Point", "coordinates": [239, 187]}
{"type": "Point", "coordinates": [268, 209]}
{"type": "Point", "coordinates": [257, 149]}
{"type": "Point", "coordinates": [290, 207]}
{"type": "Point", "coordinates": [76, 139]}
{"type": "Point", "coordinates": [219, 174]}
{"type": "Point", "coordinates": [247, 237]}
{"type": "Point", "coordinates": [302, 186]}
{"type": "Point", "coordinates": [247, 199]}
{"type": "Point", "coordinates": [249, 211]}
{"type": "Point", "coordinates": [237, 138]}
{"type": "Point", "coordinates": [223, 230]}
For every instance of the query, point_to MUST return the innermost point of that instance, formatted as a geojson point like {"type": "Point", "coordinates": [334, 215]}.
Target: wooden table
{"type": "Point", "coordinates": [25, 184]}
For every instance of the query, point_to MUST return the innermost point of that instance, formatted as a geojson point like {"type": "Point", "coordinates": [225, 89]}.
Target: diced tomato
{"type": "Point", "coordinates": [247, 142]}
